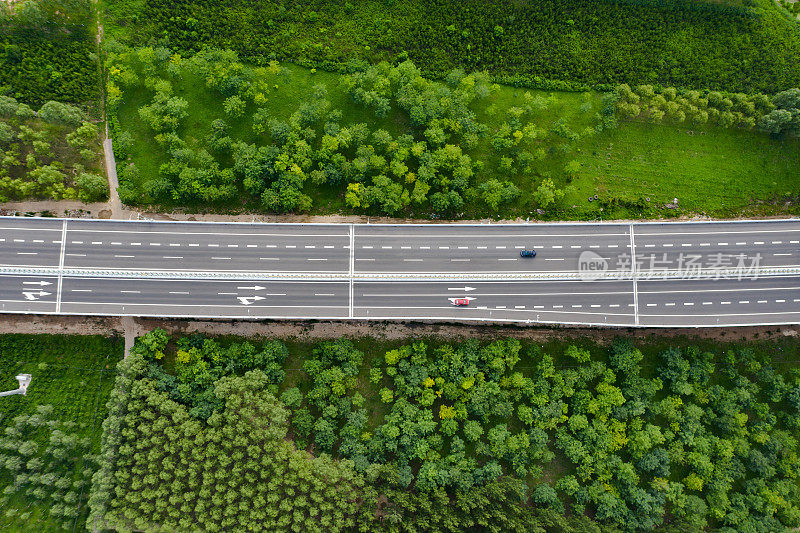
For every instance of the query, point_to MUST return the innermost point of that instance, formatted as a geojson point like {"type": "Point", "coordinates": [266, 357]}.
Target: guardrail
{"type": "Point", "coordinates": [609, 275]}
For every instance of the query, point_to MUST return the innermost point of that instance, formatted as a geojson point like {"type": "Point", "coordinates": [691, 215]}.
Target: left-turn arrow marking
{"type": "Point", "coordinates": [35, 295]}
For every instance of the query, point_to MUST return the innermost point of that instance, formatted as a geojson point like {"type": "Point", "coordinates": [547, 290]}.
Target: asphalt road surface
{"type": "Point", "coordinates": [642, 274]}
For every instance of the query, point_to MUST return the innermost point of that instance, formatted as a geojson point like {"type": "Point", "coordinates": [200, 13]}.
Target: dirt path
{"type": "Point", "coordinates": [113, 183]}
{"type": "Point", "coordinates": [310, 330]}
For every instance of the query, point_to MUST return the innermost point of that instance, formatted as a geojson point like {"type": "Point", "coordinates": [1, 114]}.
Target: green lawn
{"type": "Point", "coordinates": [75, 375]}
{"type": "Point", "coordinates": [721, 172]}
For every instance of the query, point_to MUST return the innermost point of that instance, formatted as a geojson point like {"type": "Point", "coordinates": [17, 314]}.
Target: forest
{"type": "Point", "coordinates": [53, 153]}
{"type": "Point", "coordinates": [526, 438]}
{"type": "Point", "coordinates": [210, 132]}
{"type": "Point", "coordinates": [48, 52]}
{"type": "Point", "coordinates": [747, 46]}
{"type": "Point", "coordinates": [49, 439]}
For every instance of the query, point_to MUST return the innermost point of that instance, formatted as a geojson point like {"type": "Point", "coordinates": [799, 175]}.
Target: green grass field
{"type": "Point", "coordinates": [75, 375]}
{"type": "Point", "coordinates": [711, 170]}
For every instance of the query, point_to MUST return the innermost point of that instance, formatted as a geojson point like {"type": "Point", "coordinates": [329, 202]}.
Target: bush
{"type": "Point", "coordinates": [61, 113]}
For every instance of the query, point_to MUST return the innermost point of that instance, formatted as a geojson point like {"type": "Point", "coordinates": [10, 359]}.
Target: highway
{"type": "Point", "coordinates": [638, 274]}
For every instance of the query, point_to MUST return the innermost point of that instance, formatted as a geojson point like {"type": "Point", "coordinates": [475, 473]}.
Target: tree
{"type": "Point", "coordinates": [234, 106]}
{"type": "Point", "coordinates": [473, 430]}
{"type": "Point", "coordinates": [547, 193]}
{"type": "Point", "coordinates": [572, 168]}
{"type": "Point", "coordinates": [780, 121]}
{"type": "Point", "coordinates": [86, 136]}
{"type": "Point", "coordinates": [495, 192]}
{"type": "Point", "coordinates": [91, 187]}
{"type": "Point", "coordinates": [60, 113]}
{"type": "Point", "coordinates": [165, 113]}
{"type": "Point", "coordinates": [6, 133]}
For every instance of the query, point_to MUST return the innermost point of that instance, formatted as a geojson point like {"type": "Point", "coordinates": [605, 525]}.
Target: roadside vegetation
{"type": "Point", "coordinates": [49, 438]}
{"type": "Point", "coordinates": [209, 132]}
{"type": "Point", "coordinates": [737, 46]}
{"type": "Point", "coordinates": [53, 153]}
{"type": "Point", "coordinates": [504, 436]}
{"type": "Point", "coordinates": [48, 52]}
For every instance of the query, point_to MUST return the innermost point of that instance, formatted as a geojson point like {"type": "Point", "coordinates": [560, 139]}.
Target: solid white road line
{"type": "Point", "coordinates": [633, 275]}
{"type": "Point", "coordinates": [352, 269]}
{"type": "Point", "coordinates": [61, 265]}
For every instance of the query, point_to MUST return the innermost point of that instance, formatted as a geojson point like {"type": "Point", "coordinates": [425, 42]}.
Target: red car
{"type": "Point", "coordinates": [460, 302]}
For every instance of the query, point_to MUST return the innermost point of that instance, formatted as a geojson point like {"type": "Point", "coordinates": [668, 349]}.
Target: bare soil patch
{"type": "Point", "coordinates": [320, 330]}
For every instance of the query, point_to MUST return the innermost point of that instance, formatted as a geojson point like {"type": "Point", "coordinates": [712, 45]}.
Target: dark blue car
{"type": "Point", "coordinates": [527, 253]}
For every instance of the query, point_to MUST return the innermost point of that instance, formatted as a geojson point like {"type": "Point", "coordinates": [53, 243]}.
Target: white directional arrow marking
{"type": "Point", "coordinates": [253, 288]}
{"type": "Point", "coordinates": [465, 289]}
{"type": "Point", "coordinates": [35, 295]}
{"type": "Point", "coordinates": [42, 283]}
{"type": "Point", "coordinates": [247, 300]}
